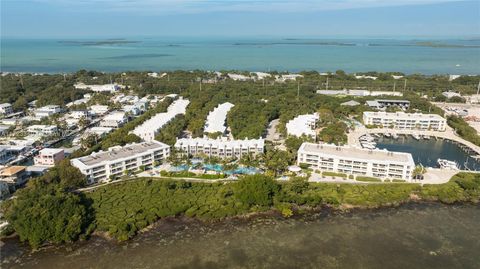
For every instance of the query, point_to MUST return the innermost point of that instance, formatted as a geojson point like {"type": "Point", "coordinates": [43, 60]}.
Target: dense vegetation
{"type": "Point", "coordinates": [256, 102]}
{"type": "Point", "coordinates": [464, 130]}
{"type": "Point", "coordinates": [46, 212]}
{"type": "Point", "coordinates": [169, 133]}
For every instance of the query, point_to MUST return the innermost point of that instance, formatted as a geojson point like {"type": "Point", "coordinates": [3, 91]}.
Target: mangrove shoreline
{"type": "Point", "coordinates": [43, 215]}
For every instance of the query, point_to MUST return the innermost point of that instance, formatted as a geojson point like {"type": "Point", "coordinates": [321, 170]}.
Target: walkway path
{"type": "Point", "coordinates": [86, 189]}
{"type": "Point", "coordinates": [274, 136]}
{"type": "Point", "coordinates": [432, 176]}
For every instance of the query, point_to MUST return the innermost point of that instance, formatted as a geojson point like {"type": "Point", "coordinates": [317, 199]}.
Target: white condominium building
{"type": "Point", "coordinates": [100, 166]}
{"type": "Point", "coordinates": [303, 125]}
{"type": "Point", "coordinates": [220, 147]}
{"type": "Point", "coordinates": [216, 119]}
{"type": "Point", "coordinates": [386, 103]}
{"type": "Point", "coordinates": [99, 88]}
{"type": "Point", "coordinates": [115, 119]}
{"type": "Point", "coordinates": [359, 93]}
{"type": "Point", "coordinates": [408, 121]}
{"type": "Point", "coordinates": [150, 127]}
{"type": "Point", "coordinates": [42, 130]}
{"type": "Point", "coordinates": [6, 109]}
{"type": "Point", "coordinates": [285, 77]}
{"type": "Point", "coordinates": [98, 109]}
{"type": "Point", "coordinates": [78, 114]}
{"type": "Point", "coordinates": [47, 111]}
{"type": "Point", "coordinates": [49, 157]}
{"type": "Point", "coordinates": [238, 77]}
{"type": "Point", "coordinates": [357, 161]}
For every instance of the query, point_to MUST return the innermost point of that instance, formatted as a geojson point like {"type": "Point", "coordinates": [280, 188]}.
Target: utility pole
{"type": "Point", "coordinates": [394, 85]}
{"type": "Point", "coordinates": [478, 88]}
{"type": "Point", "coordinates": [405, 85]}
{"type": "Point", "coordinates": [298, 89]}
{"type": "Point", "coordinates": [64, 77]}
{"type": "Point", "coordinates": [21, 81]}
{"type": "Point", "coordinates": [200, 85]}
{"type": "Point", "coordinates": [326, 88]}
{"type": "Point", "coordinates": [168, 77]}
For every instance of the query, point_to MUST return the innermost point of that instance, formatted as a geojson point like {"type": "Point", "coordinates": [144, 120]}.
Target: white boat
{"type": "Point", "coordinates": [426, 137]}
{"type": "Point", "coordinates": [447, 164]}
{"type": "Point", "coordinates": [367, 138]}
{"type": "Point", "coordinates": [387, 134]}
{"type": "Point", "coordinates": [395, 136]}
{"type": "Point", "coordinates": [416, 136]}
{"type": "Point", "coordinates": [368, 145]}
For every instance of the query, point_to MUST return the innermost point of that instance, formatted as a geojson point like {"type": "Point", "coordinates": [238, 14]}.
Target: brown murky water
{"type": "Point", "coordinates": [412, 236]}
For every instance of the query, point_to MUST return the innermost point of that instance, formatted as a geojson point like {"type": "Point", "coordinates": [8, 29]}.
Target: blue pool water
{"type": "Point", "coordinates": [179, 168]}
{"type": "Point", "coordinates": [219, 168]}
{"type": "Point", "coordinates": [244, 171]}
{"type": "Point", "coordinates": [213, 167]}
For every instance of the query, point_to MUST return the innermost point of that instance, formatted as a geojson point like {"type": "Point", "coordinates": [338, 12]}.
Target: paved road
{"type": "Point", "coordinates": [274, 136]}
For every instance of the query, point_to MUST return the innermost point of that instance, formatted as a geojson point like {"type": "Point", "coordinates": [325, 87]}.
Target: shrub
{"type": "Point", "coordinates": [333, 174]}
{"type": "Point", "coordinates": [304, 165]}
{"type": "Point", "coordinates": [256, 190]}
{"type": "Point", "coordinates": [368, 179]}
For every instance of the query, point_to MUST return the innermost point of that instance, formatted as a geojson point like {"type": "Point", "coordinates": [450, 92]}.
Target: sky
{"type": "Point", "coordinates": [286, 18]}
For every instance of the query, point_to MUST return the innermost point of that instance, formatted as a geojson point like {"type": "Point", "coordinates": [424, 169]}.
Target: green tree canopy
{"type": "Point", "coordinates": [256, 190]}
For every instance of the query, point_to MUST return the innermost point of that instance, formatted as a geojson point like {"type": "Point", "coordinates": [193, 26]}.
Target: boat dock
{"type": "Point", "coordinates": [470, 148]}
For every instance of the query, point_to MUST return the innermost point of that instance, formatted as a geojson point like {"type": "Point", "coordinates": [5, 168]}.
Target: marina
{"type": "Point", "coordinates": [427, 152]}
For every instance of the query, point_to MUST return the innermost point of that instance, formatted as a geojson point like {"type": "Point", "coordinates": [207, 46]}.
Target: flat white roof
{"type": "Point", "coordinates": [41, 126]}
{"type": "Point", "coordinates": [159, 120]}
{"type": "Point", "coordinates": [374, 103]}
{"type": "Point", "coordinates": [115, 116]}
{"type": "Point", "coordinates": [50, 107]}
{"type": "Point", "coordinates": [118, 152]}
{"type": "Point", "coordinates": [300, 125]}
{"type": "Point", "coordinates": [350, 103]}
{"type": "Point", "coordinates": [98, 107]}
{"type": "Point", "coordinates": [216, 118]}
{"type": "Point", "coordinates": [361, 154]}
{"type": "Point", "coordinates": [402, 115]}
{"type": "Point", "coordinates": [359, 92]}
{"type": "Point", "coordinates": [50, 151]}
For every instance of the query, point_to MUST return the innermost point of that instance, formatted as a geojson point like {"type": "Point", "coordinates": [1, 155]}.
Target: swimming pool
{"type": "Point", "coordinates": [218, 168]}
{"type": "Point", "coordinates": [179, 168]}
{"type": "Point", "coordinates": [213, 167]}
{"type": "Point", "coordinates": [244, 171]}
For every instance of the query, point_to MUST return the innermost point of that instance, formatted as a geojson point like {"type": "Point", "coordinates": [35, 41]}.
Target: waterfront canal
{"type": "Point", "coordinates": [428, 151]}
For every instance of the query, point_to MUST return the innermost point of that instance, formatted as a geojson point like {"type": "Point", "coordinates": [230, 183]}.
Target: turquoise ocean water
{"type": "Point", "coordinates": [254, 54]}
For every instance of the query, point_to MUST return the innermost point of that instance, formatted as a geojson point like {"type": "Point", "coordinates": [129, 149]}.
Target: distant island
{"type": "Point", "coordinates": [98, 42]}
